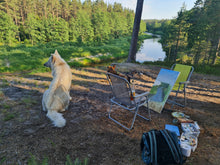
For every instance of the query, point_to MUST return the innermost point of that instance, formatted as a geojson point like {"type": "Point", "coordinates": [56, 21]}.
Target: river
{"type": "Point", "coordinates": [150, 50]}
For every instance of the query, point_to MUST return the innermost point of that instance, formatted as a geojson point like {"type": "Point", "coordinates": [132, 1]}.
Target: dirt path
{"type": "Point", "coordinates": [26, 132]}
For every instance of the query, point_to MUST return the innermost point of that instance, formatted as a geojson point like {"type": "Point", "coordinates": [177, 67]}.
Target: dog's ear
{"type": "Point", "coordinates": [53, 58]}
{"type": "Point", "coordinates": [56, 53]}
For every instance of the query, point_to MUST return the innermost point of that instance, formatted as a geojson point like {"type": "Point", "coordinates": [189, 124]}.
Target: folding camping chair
{"type": "Point", "coordinates": [125, 98]}
{"type": "Point", "coordinates": [182, 82]}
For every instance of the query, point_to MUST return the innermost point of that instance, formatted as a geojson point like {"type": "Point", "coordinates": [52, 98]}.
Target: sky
{"type": "Point", "coordinates": [156, 9]}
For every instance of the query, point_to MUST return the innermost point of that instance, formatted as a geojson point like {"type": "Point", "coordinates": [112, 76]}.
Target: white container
{"type": "Point", "coordinates": [190, 140]}
{"type": "Point", "coordinates": [186, 150]}
{"type": "Point", "coordinates": [191, 128]}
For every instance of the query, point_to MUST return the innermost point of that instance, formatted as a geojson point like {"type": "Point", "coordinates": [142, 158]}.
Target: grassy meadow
{"type": "Point", "coordinates": [25, 57]}
{"type": "Point", "coordinates": [28, 58]}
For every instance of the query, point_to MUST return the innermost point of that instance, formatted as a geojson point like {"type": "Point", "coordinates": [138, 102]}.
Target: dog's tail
{"type": "Point", "coordinates": [57, 118]}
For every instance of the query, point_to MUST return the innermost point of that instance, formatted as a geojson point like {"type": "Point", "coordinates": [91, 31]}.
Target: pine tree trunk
{"type": "Point", "coordinates": [177, 45]}
{"type": "Point", "coordinates": [205, 58]}
{"type": "Point", "coordinates": [136, 28]}
{"type": "Point", "coordinates": [197, 56]}
{"type": "Point", "coordinates": [216, 53]}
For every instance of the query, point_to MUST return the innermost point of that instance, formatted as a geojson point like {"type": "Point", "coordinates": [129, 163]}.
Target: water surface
{"type": "Point", "coordinates": [151, 50]}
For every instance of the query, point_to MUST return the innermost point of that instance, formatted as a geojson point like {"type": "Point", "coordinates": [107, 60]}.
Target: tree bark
{"type": "Point", "coordinates": [198, 54]}
{"type": "Point", "coordinates": [177, 45]}
{"type": "Point", "coordinates": [136, 27]}
{"type": "Point", "coordinates": [216, 52]}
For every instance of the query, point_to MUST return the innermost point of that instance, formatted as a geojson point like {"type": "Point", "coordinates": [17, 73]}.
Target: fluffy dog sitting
{"type": "Point", "coordinates": [56, 98]}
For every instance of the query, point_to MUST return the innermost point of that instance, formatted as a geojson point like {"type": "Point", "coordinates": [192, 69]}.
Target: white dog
{"type": "Point", "coordinates": [56, 98]}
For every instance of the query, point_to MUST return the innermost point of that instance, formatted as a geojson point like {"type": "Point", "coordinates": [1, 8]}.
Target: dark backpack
{"type": "Point", "coordinates": [161, 147]}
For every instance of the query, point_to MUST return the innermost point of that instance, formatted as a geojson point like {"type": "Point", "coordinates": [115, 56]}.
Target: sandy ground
{"type": "Point", "coordinates": [26, 132]}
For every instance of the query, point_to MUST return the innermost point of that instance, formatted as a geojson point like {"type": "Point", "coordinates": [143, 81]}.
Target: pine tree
{"type": "Point", "coordinates": [101, 25]}
{"type": "Point", "coordinates": [84, 27]}
{"type": "Point", "coordinates": [7, 29]}
{"type": "Point", "coordinates": [67, 20]}
{"type": "Point", "coordinates": [34, 29]}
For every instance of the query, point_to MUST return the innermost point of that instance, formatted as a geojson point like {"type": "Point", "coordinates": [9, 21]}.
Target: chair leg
{"type": "Point", "coordinates": [134, 118]}
{"type": "Point", "coordinates": [174, 100]}
{"type": "Point", "coordinates": [110, 110]}
{"type": "Point", "coordinates": [148, 114]}
{"type": "Point", "coordinates": [148, 110]}
{"type": "Point", "coordinates": [184, 96]}
{"type": "Point", "coordinates": [117, 122]}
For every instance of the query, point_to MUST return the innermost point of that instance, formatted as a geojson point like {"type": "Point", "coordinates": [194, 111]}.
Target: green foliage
{"type": "Point", "coordinates": [76, 162]}
{"type": "Point", "coordinates": [35, 29]}
{"type": "Point", "coordinates": [33, 161]}
{"type": "Point", "coordinates": [7, 29]}
{"type": "Point", "coordinates": [28, 102]}
{"type": "Point", "coordinates": [9, 116]}
{"type": "Point", "coordinates": [101, 26]}
{"type": "Point", "coordinates": [31, 58]}
{"type": "Point", "coordinates": [73, 34]}
{"type": "Point", "coordinates": [208, 69]}
{"type": "Point", "coordinates": [204, 69]}
{"type": "Point", "coordinates": [2, 160]}
{"type": "Point", "coordinates": [15, 59]}
{"type": "Point", "coordinates": [156, 26]}
{"type": "Point", "coordinates": [6, 112]}
{"type": "Point", "coordinates": [84, 28]}
{"type": "Point", "coordinates": [193, 37]}
{"type": "Point", "coordinates": [55, 30]}
{"type": "Point", "coordinates": [90, 22]}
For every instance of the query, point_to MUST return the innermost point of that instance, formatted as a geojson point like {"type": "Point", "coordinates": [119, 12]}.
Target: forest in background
{"type": "Point", "coordinates": [30, 30]}
{"type": "Point", "coordinates": [192, 37]}
{"type": "Point", "coordinates": [41, 21]}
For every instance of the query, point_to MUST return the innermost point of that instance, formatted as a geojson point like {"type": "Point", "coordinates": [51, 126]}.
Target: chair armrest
{"type": "Point", "coordinates": [184, 82]}
{"type": "Point", "coordinates": [141, 95]}
{"type": "Point", "coordinates": [136, 85]}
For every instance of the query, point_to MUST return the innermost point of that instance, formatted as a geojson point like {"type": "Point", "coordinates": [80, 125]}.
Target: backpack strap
{"type": "Point", "coordinates": [174, 138]}
{"type": "Point", "coordinates": [151, 148]}
{"type": "Point", "coordinates": [146, 150]}
{"type": "Point", "coordinates": [172, 146]}
{"type": "Point", "coordinates": [155, 147]}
